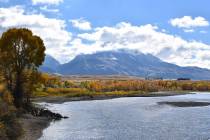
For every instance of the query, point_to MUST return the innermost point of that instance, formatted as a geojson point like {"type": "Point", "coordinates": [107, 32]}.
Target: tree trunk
{"type": "Point", "coordinates": [18, 95]}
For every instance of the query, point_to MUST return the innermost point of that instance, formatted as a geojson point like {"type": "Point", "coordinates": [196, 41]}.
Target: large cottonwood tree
{"type": "Point", "coordinates": [20, 51]}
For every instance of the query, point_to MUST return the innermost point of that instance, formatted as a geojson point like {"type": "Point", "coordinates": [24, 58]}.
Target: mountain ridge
{"type": "Point", "coordinates": [129, 63]}
{"type": "Point", "coordinates": [50, 65]}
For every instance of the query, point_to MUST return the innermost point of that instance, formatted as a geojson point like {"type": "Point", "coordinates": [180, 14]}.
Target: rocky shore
{"type": "Point", "coordinates": [36, 120]}
{"type": "Point", "coordinates": [43, 112]}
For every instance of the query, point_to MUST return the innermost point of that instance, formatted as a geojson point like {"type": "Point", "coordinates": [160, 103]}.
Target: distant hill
{"type": "Point", "coordinates": [127, 63]}
{"type": "Point", "coordinates": [50, 65]}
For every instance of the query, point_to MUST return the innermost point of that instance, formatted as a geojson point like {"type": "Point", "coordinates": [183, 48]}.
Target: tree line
{"type": "Point", "coordinates": [55, 85]}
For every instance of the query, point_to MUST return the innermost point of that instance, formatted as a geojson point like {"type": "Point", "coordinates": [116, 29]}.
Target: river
{"type": "Point", "coordinates": [137, 118]}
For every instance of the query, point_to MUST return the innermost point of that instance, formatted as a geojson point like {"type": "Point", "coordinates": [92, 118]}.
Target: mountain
{"type": "Point", "coordinates": [50, 65]}
{"type": "Point", "coordinates": [126, 63]}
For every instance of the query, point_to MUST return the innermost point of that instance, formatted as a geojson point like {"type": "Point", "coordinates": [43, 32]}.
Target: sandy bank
{"type": "Point", "coordinates": [33, 126]}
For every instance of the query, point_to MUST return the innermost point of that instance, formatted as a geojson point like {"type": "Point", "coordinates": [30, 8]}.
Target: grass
{"type": "Point", "coordinates": [65, 90]}
{"type": "Point", "coordinates": [78, 92]}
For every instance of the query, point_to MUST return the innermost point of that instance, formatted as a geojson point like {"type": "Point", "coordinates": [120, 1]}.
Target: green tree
{"type": "Point", "coordinates": [20, 51]}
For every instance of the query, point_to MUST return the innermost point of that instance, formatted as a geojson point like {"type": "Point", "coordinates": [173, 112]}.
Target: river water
{"type": "Point", "coordinates": [140, 118]}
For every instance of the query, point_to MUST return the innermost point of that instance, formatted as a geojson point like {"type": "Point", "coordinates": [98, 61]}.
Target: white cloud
{"type": "Point", "coordinates": [144, 38]}
{"type": "Point", "coordinates": [81, 24]}
{"type": "Point", "coordinates": [188, 22]}
{"type": "Point", "coordinates": [203, 32]}
{"type": "Point", "coordinates": [47, 9]}
{"type": "Point", "coordinates": [189, 30]}
{"type": "Point", "coordinates": [48, 2]}
{"type": "Point", "coordinates": [51, 30]}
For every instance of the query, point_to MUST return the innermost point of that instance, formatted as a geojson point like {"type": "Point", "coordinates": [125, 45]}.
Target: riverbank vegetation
{"type": "Point", "coordinates": [51, 85]}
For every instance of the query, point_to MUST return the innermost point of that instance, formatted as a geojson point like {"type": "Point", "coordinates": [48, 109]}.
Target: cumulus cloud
{"type": "Point", "coordinates": [51, 30]}
{"type": "Point", "coordinates": [81, 24]}
{"type": "Point", "coordinates": [189, 22]}
{"type": "Point", "coordinates": [48, 2]}
{"type": "Point", "coordinates": [145, 38]}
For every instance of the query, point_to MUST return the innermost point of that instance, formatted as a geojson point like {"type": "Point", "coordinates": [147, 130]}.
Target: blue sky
{"type": "Point", "coordinates": [86, 26]}
{"type": "Point", "coordinates": [137, 12]}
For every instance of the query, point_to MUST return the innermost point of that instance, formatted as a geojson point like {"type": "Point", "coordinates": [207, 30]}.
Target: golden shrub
{"type": "Point", "coordinates": [65, 90]}
{"type": "Point", "coordinates": [1, 125]}
{"type": "Point", "coordinates": [7, 97]}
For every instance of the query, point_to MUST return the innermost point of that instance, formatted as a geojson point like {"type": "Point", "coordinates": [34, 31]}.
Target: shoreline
{"type": "Point", "coordinates": [33, 127]}
{"type": "Point", "coordinates": [63, 99]}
